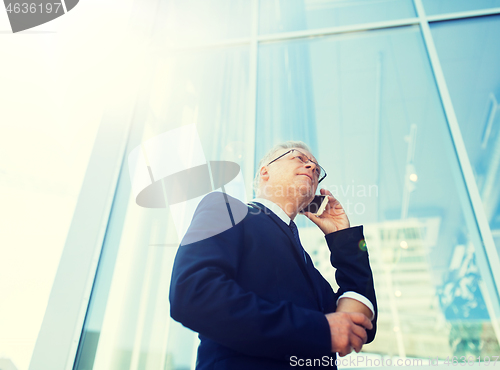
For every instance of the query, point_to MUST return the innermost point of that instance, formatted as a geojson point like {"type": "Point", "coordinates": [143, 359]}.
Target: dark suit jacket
{"type": "Point", "coordinates": [250, 295]}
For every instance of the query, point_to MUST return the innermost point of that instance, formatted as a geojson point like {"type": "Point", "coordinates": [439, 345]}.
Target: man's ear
{"type": "Point", "coordinates": [264, 174]}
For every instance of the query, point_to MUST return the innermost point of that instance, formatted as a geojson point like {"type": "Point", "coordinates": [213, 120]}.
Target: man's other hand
{"type": "Point", "coordinates": [347, 331]}
{"type": "Point", "coordinates": [347, 304]}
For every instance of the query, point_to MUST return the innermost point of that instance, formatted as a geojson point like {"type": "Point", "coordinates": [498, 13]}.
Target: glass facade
{"type": "Point", "coordinates": [198, 22]}
{"type": "Point", "coordinates": [297, 15]}
{"type": "Point", "coordinates": [433, 7]}
{"type": "Point", "coordinates": [371, 101]}
{"type": "Point", "coordinates": [369, 107]}
{"type": "Point", "coordinates": [210, 88]}
{"type": "Point", "coordinates": [471, 70]}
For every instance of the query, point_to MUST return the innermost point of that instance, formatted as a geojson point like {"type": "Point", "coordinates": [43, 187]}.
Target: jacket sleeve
{"type": "Point", "coordinates": [349, 255]}
{"type": "Point", "coordinates": [205, 297]}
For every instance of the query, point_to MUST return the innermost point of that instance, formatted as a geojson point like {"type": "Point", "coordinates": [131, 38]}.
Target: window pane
{"type": "Point", "coordinates": [449, 6]}
{"type": "Point", "coordinates": [197, 21]}
{"type": "Point", "coordinates": [296, 15]}
{"type": "Point", "coordinates": [368, 106]}
{"type": "Point", "coordinates": [473, 78]}
{"type": "Point", "coordinates": [128, 324]}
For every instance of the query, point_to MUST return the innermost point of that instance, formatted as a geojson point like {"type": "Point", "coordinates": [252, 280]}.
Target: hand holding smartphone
{"type": "Point", "coordinates": [317, 206]}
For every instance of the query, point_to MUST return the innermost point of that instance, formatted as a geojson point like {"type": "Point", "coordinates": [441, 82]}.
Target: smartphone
{"type": "Point", "coordinates": [317, 206]}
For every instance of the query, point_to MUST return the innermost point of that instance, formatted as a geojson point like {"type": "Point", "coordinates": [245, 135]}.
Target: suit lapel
{"type": "Point", "coordinates": [285, 228]}
{"type": "Point", "coordinates": [299, 256]}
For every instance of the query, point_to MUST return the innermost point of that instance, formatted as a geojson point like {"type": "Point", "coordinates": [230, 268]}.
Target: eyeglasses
{"type": "Point", "coordinates": [320, 171]}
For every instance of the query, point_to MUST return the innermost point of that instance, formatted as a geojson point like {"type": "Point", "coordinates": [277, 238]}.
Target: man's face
{"type": "Point", "coordinates": [292, 174]}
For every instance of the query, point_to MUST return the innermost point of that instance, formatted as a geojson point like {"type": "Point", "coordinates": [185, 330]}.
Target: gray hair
{"type": "Point", "coordinates": [270, 156]}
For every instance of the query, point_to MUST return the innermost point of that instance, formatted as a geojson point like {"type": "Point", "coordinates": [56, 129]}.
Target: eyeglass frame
{"type": "Point", "coordinates": [308, 160]}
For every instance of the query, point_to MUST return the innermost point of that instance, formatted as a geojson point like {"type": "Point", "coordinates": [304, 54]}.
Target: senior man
{"type": "Point", "coordinates": [252, 292]}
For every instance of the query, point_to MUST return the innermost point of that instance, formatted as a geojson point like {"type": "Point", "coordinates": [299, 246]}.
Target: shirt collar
{"type": "Point", "coordinates": [275, 208]}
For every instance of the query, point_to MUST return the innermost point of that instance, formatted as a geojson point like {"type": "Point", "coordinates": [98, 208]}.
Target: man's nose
{"type": "Point", "coordinates": [312, 166]}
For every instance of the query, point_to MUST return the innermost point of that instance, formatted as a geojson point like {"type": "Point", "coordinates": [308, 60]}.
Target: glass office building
{"type": "Point", "coordinates": [398, 100]}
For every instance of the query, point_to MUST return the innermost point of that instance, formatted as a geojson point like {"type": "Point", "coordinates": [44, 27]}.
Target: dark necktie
{"type": "Point", "coordinates": [295, 233]}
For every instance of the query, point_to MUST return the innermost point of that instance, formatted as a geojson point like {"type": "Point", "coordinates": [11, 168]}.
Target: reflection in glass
{"type": "Point", "coordinates": [297, 15]}
{"type": "Point", "coordinates": [433, 7]}
{"type": "Point", "coordinates": [368, 106]}
{"type": "Point", "coordinates": [473, 78]}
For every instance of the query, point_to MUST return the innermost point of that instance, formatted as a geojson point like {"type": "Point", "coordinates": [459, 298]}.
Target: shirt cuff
{"type": "Point", "coordinates": [360, 298]}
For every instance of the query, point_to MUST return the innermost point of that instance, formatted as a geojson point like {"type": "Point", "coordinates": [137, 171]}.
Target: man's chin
{"type": "Point", "coordinates": [306, 190]}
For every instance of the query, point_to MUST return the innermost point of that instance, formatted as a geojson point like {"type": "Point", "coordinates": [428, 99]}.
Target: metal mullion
{"type": "Point", "coordinates": [62, 325]}
{"type": "Point", "coordinates": [250, 132]}
{"type": "Point", "coordinates": [336, 30]}
{"type": "Point", "coordinates": [471, 189]}
{"type": "Point", "coordinates": [318, 32]}
{"type": "Point", "coordinates": [197, 47]}
{"type": "Point", "coordinates": [462, 15]}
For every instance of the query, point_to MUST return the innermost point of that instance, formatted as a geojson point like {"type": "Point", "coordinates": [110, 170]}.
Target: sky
{"type": "Point", "coordinates": [55, 81]}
